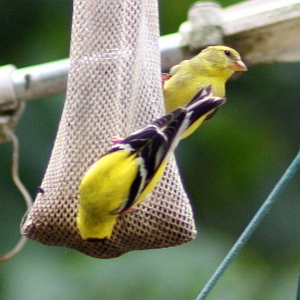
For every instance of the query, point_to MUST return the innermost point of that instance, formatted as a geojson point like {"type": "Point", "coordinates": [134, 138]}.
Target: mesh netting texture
{"type": "Point", "coordinates": [114, 87]}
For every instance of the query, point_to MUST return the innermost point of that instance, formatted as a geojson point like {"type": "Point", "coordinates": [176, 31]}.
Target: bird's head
{"type": "Point", "coordinates": [223, 58]}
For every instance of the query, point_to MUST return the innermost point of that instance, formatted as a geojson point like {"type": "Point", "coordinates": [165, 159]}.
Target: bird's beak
{"type": "Point", "coordinates": [238, 66]}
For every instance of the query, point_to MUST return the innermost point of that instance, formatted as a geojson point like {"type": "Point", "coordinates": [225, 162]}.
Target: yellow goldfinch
{"type": "Point", "coordinates": [129, 171]}
{"type": "Point", "coordinates": [213, 66]}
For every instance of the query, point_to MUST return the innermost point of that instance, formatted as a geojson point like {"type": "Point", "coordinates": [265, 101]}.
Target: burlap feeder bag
{"type": "Point", "coordinates": [114, 88]}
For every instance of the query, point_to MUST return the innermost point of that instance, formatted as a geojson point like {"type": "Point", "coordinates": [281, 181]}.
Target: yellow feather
{"type": "Point", "coordinates": [109, 179]}
{"type": "Point", "coordinates": [211, 67]}
{"type": "Point", "coordinates": [127, 173]}
{"type": "Point", "coordinates": [193, 127]}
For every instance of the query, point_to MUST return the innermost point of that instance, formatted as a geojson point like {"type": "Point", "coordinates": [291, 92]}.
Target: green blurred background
{"type": "Point", "coordinates": [228, 167]}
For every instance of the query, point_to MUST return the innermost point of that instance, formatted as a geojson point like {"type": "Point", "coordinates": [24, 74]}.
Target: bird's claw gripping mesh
{"type": "Point", "coordinates": [114, 87]}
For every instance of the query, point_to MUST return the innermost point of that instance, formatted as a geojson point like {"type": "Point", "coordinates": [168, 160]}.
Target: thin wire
{"type": "Point", "coordinates": [254, 223]}
{"type": "Point", "coordinates": [22, 189]}
{"type": "Point", "coordinates": [298, 288]}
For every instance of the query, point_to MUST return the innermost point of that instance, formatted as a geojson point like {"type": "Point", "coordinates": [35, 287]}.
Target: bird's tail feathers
{"type": "Point", "coordinates": [201, 95]}
{"type": "Point", "coordinates": [203, 103]}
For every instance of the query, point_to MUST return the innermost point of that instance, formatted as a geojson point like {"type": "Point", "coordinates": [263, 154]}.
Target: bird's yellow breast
{"type": "Point", "coordinates": [179, 91]}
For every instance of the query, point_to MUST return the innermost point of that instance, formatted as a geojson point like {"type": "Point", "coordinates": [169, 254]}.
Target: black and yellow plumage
{"type": "Point", "coordinates": [213, 66]}
{"type": "Point", "coordinates": [129, 171]}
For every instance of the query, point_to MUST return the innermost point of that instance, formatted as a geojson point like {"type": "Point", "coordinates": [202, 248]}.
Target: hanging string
{"type": "Point", "coordinates": [21, 188]}
{"type": "Point", "coordinates": [254, 223]}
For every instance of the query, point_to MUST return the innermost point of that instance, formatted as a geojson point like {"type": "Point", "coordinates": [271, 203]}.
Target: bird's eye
{"type": "Point", "coordinates": [227, 52]}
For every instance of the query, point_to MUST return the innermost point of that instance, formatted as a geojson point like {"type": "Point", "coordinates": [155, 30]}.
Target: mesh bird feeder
{"type": "Point", "coordinates": [114, 88]}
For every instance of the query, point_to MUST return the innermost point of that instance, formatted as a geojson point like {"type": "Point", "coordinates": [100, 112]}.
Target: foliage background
{"type": "Point", "coordinates": [229, 167]}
